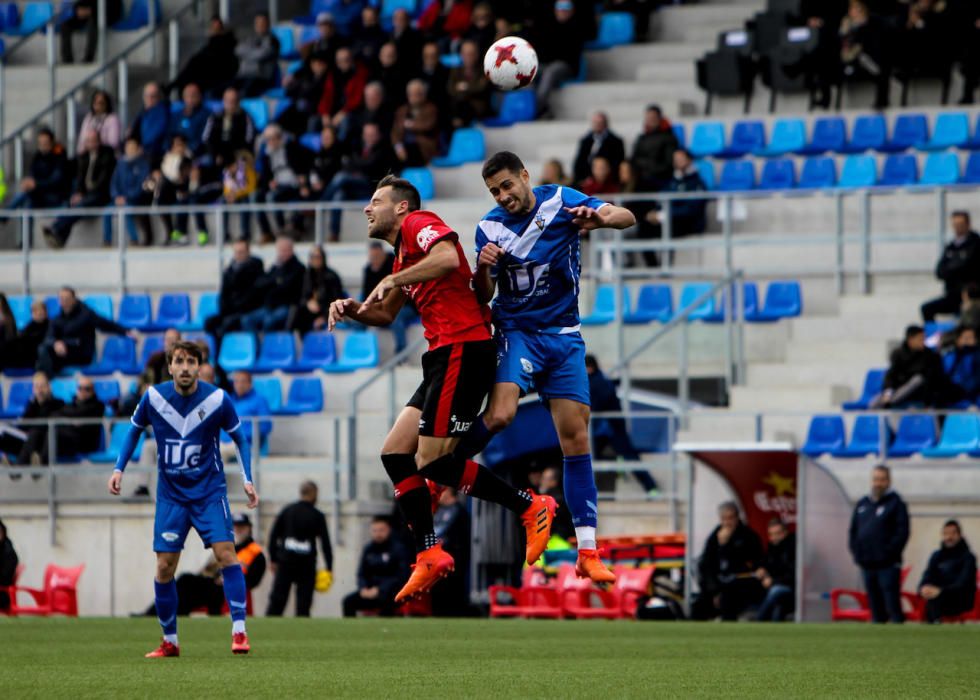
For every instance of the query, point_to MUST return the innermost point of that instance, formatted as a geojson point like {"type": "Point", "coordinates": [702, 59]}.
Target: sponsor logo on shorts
{"type": "Point", "coordinates": [459, 426]}
{"type": "Point", "coordinates": [426, 236]}
{"type": "Point", "coordinates": [526, 365]}
{"type": "Point", "coordinates": [170, 536]}
{"type": "Point", "coordinates": [421, 423]}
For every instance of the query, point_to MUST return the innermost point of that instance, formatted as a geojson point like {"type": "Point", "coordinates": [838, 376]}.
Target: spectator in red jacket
{"type": "Point", "coordinates": [344, 89]}
{"type": "Point", "coordinates": [602, 179]}
{"type": "Point", "coordinates": [440, 18]}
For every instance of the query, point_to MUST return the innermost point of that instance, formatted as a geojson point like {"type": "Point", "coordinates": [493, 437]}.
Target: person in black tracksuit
{"type": "Point", "coordinates": [292, 550]}
{"type": "Point", "coordinates": [382, 572]}
{"type": "Point", "coordinates": [958, 267]}
{"type": "Point", "coordinates": [949, 583]}
{"type": "Point", "coordinates": [732, 555]}
{"type": "Point", "coordinates": [778, 574]}
{"type": "Point", "coordinates": [71, 335]}
{"type": "Point", "coordinates": [879, 532]}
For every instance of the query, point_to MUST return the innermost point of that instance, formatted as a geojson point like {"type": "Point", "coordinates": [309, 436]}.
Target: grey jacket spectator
{"type": "Point", "coordinates": [228, 131]}
{"type": "Point", "coordinates": [21, 351]}
{"type": "Point", "coordinates": [258, 58]}
{"type": "Point", "coordinates": [42, 405]}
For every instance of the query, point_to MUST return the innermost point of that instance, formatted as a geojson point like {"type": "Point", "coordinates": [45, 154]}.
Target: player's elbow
{"type": "Point", "coordinates": [625, 218]}
{"type": "Point", "coordinates": [499, 417]}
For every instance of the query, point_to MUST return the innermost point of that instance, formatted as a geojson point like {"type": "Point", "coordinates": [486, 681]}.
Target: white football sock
{"type": "Point", "coordinates": [172, 638]}
{"type": "Point", "coordinates": [585, 536]}
{"type": "Point", "coordinates": [238, 626]}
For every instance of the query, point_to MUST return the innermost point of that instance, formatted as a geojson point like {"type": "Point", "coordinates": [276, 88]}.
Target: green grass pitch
{"type": "Point", "coordinates": [413, 658]}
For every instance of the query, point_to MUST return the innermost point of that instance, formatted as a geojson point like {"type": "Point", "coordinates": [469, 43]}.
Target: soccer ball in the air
{"type": "Point", "coordinates": [510, 63]}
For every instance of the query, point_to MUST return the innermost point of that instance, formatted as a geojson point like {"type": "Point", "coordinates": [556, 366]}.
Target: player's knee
{"type": "Point", "coordinates": [574, 440]}
{"type": "Point", "coordinates": [165, 570]}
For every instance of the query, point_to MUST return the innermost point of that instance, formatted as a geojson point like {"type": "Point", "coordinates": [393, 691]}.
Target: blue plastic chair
{"type": "Point", "coordinates": [139, 15]}
{"type": "Point", "coordinates": [207, 305]}
{"type": "Point", "coordinates": [270, 388]}
{"type": "Point", "coordinates": [706, 170]}
{"type": "Point", "coordinates": [423, 181]}
{"type": "Point", "coordinates": [818, 173]}
{"type": "Point", "coordinates": [778, 174]}
{"type": "Point", "coordinates": [319, 350]}
{"type": "Point", "coordinates": [515, 106]}
{"type": "Point", "coordinates": [783, 300]}
{"type": "Point", "coordinates": [974, 142]}
{"type": "Point", "coordinates": [64, 388]}
{"type": "Point", "coordinates": [151, 344]}
{"type": "Point", "coordinates": [173, 311]}
{"type": "Point", "coordinates": [118, 355]}
{"type": "Point", "coordinates": [287, 42]}
{"type": "Point", "coordinates": [971, 173]}
{"type": "Point", "coordinates": [858, 171]}
{"type": "Point", "coordinates": [33, 16]}
{"type": "Point", "coordinates": [961, 434]}
{"type": "Point", "coordinates": [737, 176]}
{"type": "Point", "coordinates": [388, 8]}
{"type": "Point", "coordinates": [910, 131]}
{"type": "Point", "coordinates": [747, 137]}
{"type": "Point", "coordinates": [900, 169]}
{"type": "Point", "coordinates": [53, 307]}
{"type": "Point", "coordinates": [360, 352]}
{"type": "Point", "coordinates": [941, 169]}
{"type": "Point", "coordinates": [865, 438]}
{"type": "Point", "coordinates": [689, 294]}
{"type": "Point", "coordinates": [258, 110]}
{"type": "Point", "coordinates": [9, 16]}
{"type": "Point", "coordinates": [707, 139]}
{"type": "Point", "coordinates": [17, 398]}
{"type": "Point", "coordinates": [680, 133]}
{"type": "Point", "coordinates": [305, 396]}
{"type": "Point", "coordinates": [20, 305]}
{"type": "Point", "coordinates": [107, 390]}
{"type": "Point", "coordinates": [615, 29]}
{"type": "Point", "coordinates": [278, 351]}
{"type": "Point", "coordinates": [825, 435]}
{"type": "Point", "coordinates": [874, 382]}
{"type": "Point", "coordinates": [788, 136]}
{"type": "Point", "coordinates": [135, 312]}
{"type": "Point", "coordinates": [117, 438]}
{"type": "Point", "coordinates": [206, 337]}
{"type": "Point", "coordinates": [655, 302]}
{"type": "Point", "coordinates": [951, 130]}
{"type": "Point", "coordinates": [310, 142]}
{"type": "Point", "coordinates": [750, 304]}
{"type": "Point", "coordinates": [237, 352]}
{"type": "Point", "coordinates": [869, 133]}
{"type": "Point", "coordinates": [451, 60]}
{"type": "Point", "coordinates": [829, 134]}
{"type": "Point", "coordinates": [915, 433]}
{"type": "Point", "coordinates": [466, 146]}
{"type": "Point", "coordinates": [604, 307]}
{"type": "Point", "coordinates": [101, 304]}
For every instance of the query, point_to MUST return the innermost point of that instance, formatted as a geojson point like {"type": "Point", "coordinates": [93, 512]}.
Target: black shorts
{"type": "Point", "coordinates": [456, 380]}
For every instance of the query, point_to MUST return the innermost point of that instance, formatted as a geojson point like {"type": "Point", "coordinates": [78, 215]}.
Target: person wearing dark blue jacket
{"type": "Point", "coordinates": [71, 334]}
{"type": "Point", "coordinates": [962, 366]}
{"type": "Point", "coordinates": [128, 188]}
{"type": "Point", "coordinates": [878, 534]}
{"type": "Point", "coordinates": [152, 124]}
{"type": "Point", "coordinates": [687, 216]}
{"type": "Point", "coordinates": [949, 583]}
{"type": "Point", "coordinates": [49, 182]}
{"type": "Point", "coordinates": [248, 404]}
{"type": "Point", "coordinates": [191, 120]}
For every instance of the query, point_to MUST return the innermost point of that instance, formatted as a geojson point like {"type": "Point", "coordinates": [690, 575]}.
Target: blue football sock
{"type": "Point", "coordinates": [580, 492]}
{"type": "Point", "coordinates": [233, 581]}
{"type": "Point", "coordinates": [166, 600]}
{"type": "Point", "coordinates": [475, 439]}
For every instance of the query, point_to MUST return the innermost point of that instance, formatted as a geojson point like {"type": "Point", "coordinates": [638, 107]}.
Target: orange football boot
{"type": "Point", "coordinates": [537, 524]}
{"type": "Point", "coordinates": [165, 649]}
{"type": "Point", "coordinates": [589, 565]}
{"type": "Point", "coordinates": [430, 566]}
{"type": "Point", "coordinates": [239, 643]}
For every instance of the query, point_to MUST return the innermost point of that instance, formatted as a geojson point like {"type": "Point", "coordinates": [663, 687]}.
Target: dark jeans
{"type": "Point", "coordinates": [354, 602]}
{"type": "Point", "coordinates": [280, 194]}
{"type": "Point", "coordinates": [204, 195]}
{"type": "Point", "coordinates": [777, 604]}
{"type": "Point", "coordinates": [72, 25]}
{"type": "Point", "coordinates": [170, 193]}
{"type": "Point", "coordinates": [302, 574]}
{"type": "Point", "coordinates": [948, 604]}
{"type": "Point", "coordinates": [63, 224]}
{"type": "Point", "coordinates": [49, 362]}
{"type": "Point", "coordinates": [949, 304]}
{"type": "Point", "coordinates": [139, 220]}
{"type": "Point", "coordinates": [884, 598]}
{"type": "Point", "coordinates": [35, 199]}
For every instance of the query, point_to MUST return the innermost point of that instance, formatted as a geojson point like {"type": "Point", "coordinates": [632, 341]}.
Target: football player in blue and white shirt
{"type": "Point", "coordinates": [528, 252]}
{"type": "Point", "coordinates": [187, 417]}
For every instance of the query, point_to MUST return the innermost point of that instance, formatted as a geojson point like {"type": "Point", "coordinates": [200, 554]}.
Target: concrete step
{"type": "Point", "coordinates": [875, 303]}
{"type": "Point", "coordinates": [768, 399]}
{"type": "Point", "coordinates": [866, 353]}
{"type": "Point", "coordinates": [703, 20]}
{"type": "Point", "coordinates": [622, 62]}
{"type": "Point", "coordinates": [871, 328]}
{"type": "Point", "coordinates": [667, 73]}
{"type": "Point", "coordinates": [831, 371]}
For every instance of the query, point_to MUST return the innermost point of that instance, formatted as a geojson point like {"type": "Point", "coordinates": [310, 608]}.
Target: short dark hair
{"type": "Point", "coordinates": [961, 212]}
{"type": "Point", "coordinates": [402, 190]}
{"type": "Point", "coordinates": [655, 108]}
{"type": "Point", "coordinates": [591, 362]}
{"type": "Point", "coordinates": [913, 330]}
{"type": "Point", "coordinates": [263, 14]}
{"type": "Point", "coordinates": [502, 160]}
{"type": "Point", "coordinates": [685, 152]}
{"type": "Point", "coordinates": [777, 521]}
{"type": "Point", "coordinates": [45, 131]}
{"type": "Point", "coordinates": [953, 523]}
{"type": "Point", "coordinates": [381, 519]}
{"type": "Point", "coordinates": [189, 347]}
{"type": "Point", "coordinates": [883, 468]}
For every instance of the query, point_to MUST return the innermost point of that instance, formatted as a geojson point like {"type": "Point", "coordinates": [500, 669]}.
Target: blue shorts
{"type": "Point", "coordinates": [551, 363]}
{"type": "Point", "coordinates": [211, 519]}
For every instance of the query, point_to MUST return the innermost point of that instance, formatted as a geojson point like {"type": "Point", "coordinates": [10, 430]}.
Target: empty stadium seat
{"type": "Point", "coordinates": [707, 139]}
{"type": "Point", "coordinates": [900, 169]}
{"type": "Point", "coordinates": [206, 337]}
{"type": "Point", "coordinates": [139, 15]}
{"type": "Point", "coordinates": [750, 304]}
{"type": "Point", "coordinates": [101, 304]}
{"type": "Point", "coordinates": [747, 138]}
{"type": "Point", "coordinates": [278, 351]}
{"type": "Point", "coordinates": [33, 16]}
{"type": "Point", "coordinates": [825, 435]}
{"type": "Point", "coordinates": [151, 344]}
{"type": "Point", "coordinates": [604, 306]}
{"type": "Point", "coordinates": [690, 293]}
{"type": "Point", "coordinates": [910, 131]}
{"type": "Point", "coordinates": [971, 173]}
{"type": "Point", "coordinates": [207, 305]}
{"type": "Point", "coordinates": [118, 355]}
{"type": "Point", "coordinates": [360, 352]}
{"type": "Point", "coordinates": [737, 176]}
{"type": "Point", "coordinates": [868, 133]}
{"type": "Point", "coordinates": [783, 300]}
{"type": "Point", "coordinates": [874, 381]}
{"type": "Point", "coordinates": [9, 15]}
{"type": "Point", "coordinates": [287, 42]}
{"type": "Point", "coordinates": [305, 396]}
{"type": "Point", "coordinates": [915, 433]}
{"type": "Point", "coordinates": [107, 390]}
{"type": "Point", "coordinates": [516, 106]}
{"type": "Point", "coordinates": [615, 29]}
{"type": "Point", "coordinates": [951, 130]}
{"type": "Point", "coordinates": [64, 388]}
{"type": "Point", "coordinates": [973, 143]}
{"type": "Point", "coordinates": [270, 388]}
{"type": "Point", "coordinates": [18, 397]}
{"type": "Point", "coordinates": [466, 146]}
{"type": "Point", "coordinates": [237, 352]}
{"type": "Point", "coordinates": [858, 171]}
{"type": "Point", "coordinates": [829, 134]}
{"type": "Point", "coordinates": [655, 302]}
{"type": "Point", "coordinates": [788, 136]}
{"type": "Point", "coordinates": [319, 350]}
{"type": "Point", "coordinates": [941, 169]}
{"type": "Point", "coordinates": [52, 305]}
{"type": "Point", "coordinates": [865, 438]}
{"type": "Point", "coordinates": [258, 109]}
{"type": "Point", "coordinates": [818, 173]}
{"type": "Point", "coordinates": [706, 170]}
{"type": "Point", "coordinates": [961, 434]}
{"type": "Point", "coordinates": [423, 181]}
{"type": "Point", "coordinates": [20, 306]}
{"type": "Point", "coordinates": [310, 142]}
{"type": "Point", "coordinates": [117, 438]}
{"type": "Point", "coordinates": [778, 174]}
{"type": "Point", "coordinates": [680, 133]}
{"type": "Point", "coordinates": [173, 311]}
{"type": "Point", "coordinates": [135, 312]}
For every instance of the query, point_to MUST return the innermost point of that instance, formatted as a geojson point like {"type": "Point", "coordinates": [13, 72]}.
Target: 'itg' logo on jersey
{"type": "Point", "coordinates": [181, 454]}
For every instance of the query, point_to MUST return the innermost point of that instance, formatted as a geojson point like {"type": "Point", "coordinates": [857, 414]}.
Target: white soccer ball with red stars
{"type": "Point", "coordinates": [510, 63]}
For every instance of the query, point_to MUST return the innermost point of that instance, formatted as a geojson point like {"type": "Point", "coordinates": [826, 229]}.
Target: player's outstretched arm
{"type": "Point", "coordinates": [244, 451]}
{"type": "Point", "coordinates": [609, 216]}
{"type": "Point", "coordinates": [441, 259]}
{"type": "Point", "coordinates": [125, 454]}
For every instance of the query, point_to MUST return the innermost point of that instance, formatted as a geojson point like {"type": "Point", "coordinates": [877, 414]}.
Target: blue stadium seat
{"type": "Point", "coordinates": [33, 15]}
{"type": "Point", "coordinates": [117, 438]}
{"type": "Point", "coordinates": [900, 169]}
{"type": "Point", "coordinates": [360, 352]}
{"type": "Point", "coordinates": [107, 390]}
{"type": "Point", "coordinates": [258, 110]}
{"type": "Point", "coordinates": [173, 311]}
{"type": "Point", "coordinates": [941, 169]}
{"type": "Point", "coordinates": [778, 174]}
{"type": "Point", "coordinates": [278, 351]}
{"type": "Point", "coordinates": [869, 133]}
{"type": "Point", "coordinates": [961, 434]}
{"type": "Point", "coordinates": [207, 305]}
{"type": "Point", "coordinates": [737, 176]}
{"type": "Point", "coordinates": [951, 130]}
{"type": "Point", "coordinates": [281, 105]}
{"type": "Point", "coordinates": [388, 8]}
{"type": "Point", "coordinates": [423, 181]}
{"type": "Point", "coordinates": [207, 338]}
{"type": "Point", "coordinates": [151, 344]}
{"type": "Point", "coordinates": [64, 388]}
{"type": "Point", "coordinates": [690, 293]}
{"type": "Point", "coordinates": [818, 173]}
{"type": "Point", "coordinates": [874, 382]}
{"type": "Point", "coordinates": [516, 106]}
{"type": "Point", "coordinates": [706, 170]}
{"type": "Point", "coordinates": [615, 29]}
{"type": "Point", "coordinates": [213, 106]}
{"type": "Point", "coordinates": [783, 300]}
{"type": "Point", "coordinates": [18, 398]}
{"type": "Point", "coordinates": [139, 15]}
{"type": "Point", "coordinates": [750, 304]}
{"type": "Point", "coordinates": [237, 352]}
{"type": "Point", "coordinates": [270, 388]}
{"type": "Point", "coordinates": [287, 42]}
{"type": "Point", "coordinates": [134, 312]}
{"type": "Point", "coordinates": [707, 139]}
{"type": "Point", "coordinates": [319, 350]}
{"type": "Point", "coordinates": [604, 306]}
{"type": "Point", "coordinates": [118, 355]}
{"type": "Point", "coordinates": [451, 60]}
{"type": "Point", "coordinates": [910, 131]}
{"type": "Point", "coordinates": [9, 15]}
{"type": "Point", "coordinates": [915, 433]}
{"type": "Point", "coordinates": [858, 171]}
{"type": "Point", "coordinates": [20, 305]}
{"type": "Point", "coordinates": [680, 133]}
{"type": "Point", "coordinates": [971, 173]}
{"type": "Point", "coordinates": [788, 136]}
{"type": "Point", "coordinates": [747, 138]}
{"type": "Point", "coordinates": [53, 307]}
{"type": "Point", "coordinates": [829, 134]}
{"type": "Point", "coordinates": [826, 434]}
{"type": "Point", "coordinates": [974, 143]}
{"type": "Point", "coordinates": [101, 304]}
{"type": "Point", "coordinates": [310, 141]}
{"type": "Point", "coordinates": [466, 146]}
{"type": "Point", "coordinates": [865, 438]}
{"type": "Point", "coordinates": [305, 396]}
{"type": "Point", "coordinates": [655, 302]}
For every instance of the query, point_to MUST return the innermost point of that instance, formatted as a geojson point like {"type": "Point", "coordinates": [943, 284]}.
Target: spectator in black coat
{"type": "Point", "coordinates": [258, 58]}
{"type": "Point", "coordinates": [878, 534]}
{"type": "Point", "coordinates": [237, 296]}
{"type": "Point", "coordinates": [778, 574]}
{"type": "Point", "coordinates": [391, 74]}
{"type": "Point", "coordinates": [326, 163]}
{"type": "Point", "coordinates": [21, 350]}
{"type": "Point", "coordinates": [407, 39]}
{"type": "Point", "coordinates": [864, 53]}
{"type": "Point", "coordinates": [559, 41]}
{"type": "Point", "coordinates": [85, 15]}
{"type": "Point", "coordinates": [42, 405]}
{"type": "Point", "coordinates": [71, 334]}
{"type": "Point", "coordinates": [959, 266]}
{"type": "Point", "coordinates": [379, 266]}
{"type": "Point", "coordinates": [915, 375]}
{"type": "Point", "coordinates": [321, 286]}
{"type": "Point", "coordinates": [8, 565]}
{"type": "Point", "coordinates": [599, 142]}
{"type": "Point", "coordinates": [469, 87]}
{"type": "Point", "coordinates": [304, 88]}
{"type": "Point", "coordinates": [327, 43]}
{"type": "Point", "coordinates": [49, 182]}
{"type": "Point", "coordinates": [80, 439]}
{"type": "Point", "coordinates": [731, 556]}
{"type": "Point", "coordinates": [653, 152]}
{"type": "Point", "coordinates": [214, 65]}
{"type": "Point", "coordinates": [279, 288]}
{"type": "Point", "coordinates": [382, 572]}
{"type": "Point", "coordinates": [283, 167]}
{"type": "Point", "coordinates": [687, 216]}
{"type": "Point", "coordinates": [369, 37]}
{"type": "Point", "coordinates": [229, 131]}
{"type": "Point", "coordinates": [373, 110]}
{"type": "Point", "coordinates": [8, 326]}
{"type": "Point", "coordinates": [966, 23]}
{"type": "Point", "coordinates": [450, 597]}
{"type": "Point", "coordinates": [93, 183]}
{"type": "Point", "coordinates": [949, 583]}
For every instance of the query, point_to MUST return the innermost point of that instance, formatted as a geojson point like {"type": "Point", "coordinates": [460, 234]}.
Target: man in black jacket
{"type": "Point", "coordinates": [283, 168]}
{"type": "Point", "coordinates": [85, 15]}
{"type": "Point", "coordinates": [600, 142]}
{"type": "Point", "coordinates": [959, 265]}
{"type": "Point", "coordinates": [228, 131]}
{"type": "Point", "coordinates": [80, 439]}
{"type": "Point", "coordinates": [382, 571]}
{"type": "Point", "coordinates": [949, 583]}
{"type": "Point", "coordinates": [879, 532]}
{"type": "Point", "coordinates": [915, 374]}
{"type": "Point", "coordinates": [49, 182]}
{"type": "Point", "coordinates": [559, 40]}
{"type": "Point", "coordinates": [42, 405]}
{"type": "Point", "coordinates": [237, 296]}
{"type": "Point", "coordinates": [778, 574]}
{"type": "Point", "coordinates": [687, 216]}
{"type": "Point", "coordinates": [653, 152]}
{"type": "Point", "coordinates": [92, 187]}
{"type": "Point", "coordinates": [71, 334]}
{"type": "Point", "coordinates": [292, 549]}
{"type": "Point", "coordinates": [732, 554]}
{"type": "Point", "coordinates": [280, 289]}
{"type": "Point", "coordinates": [214, 66]}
